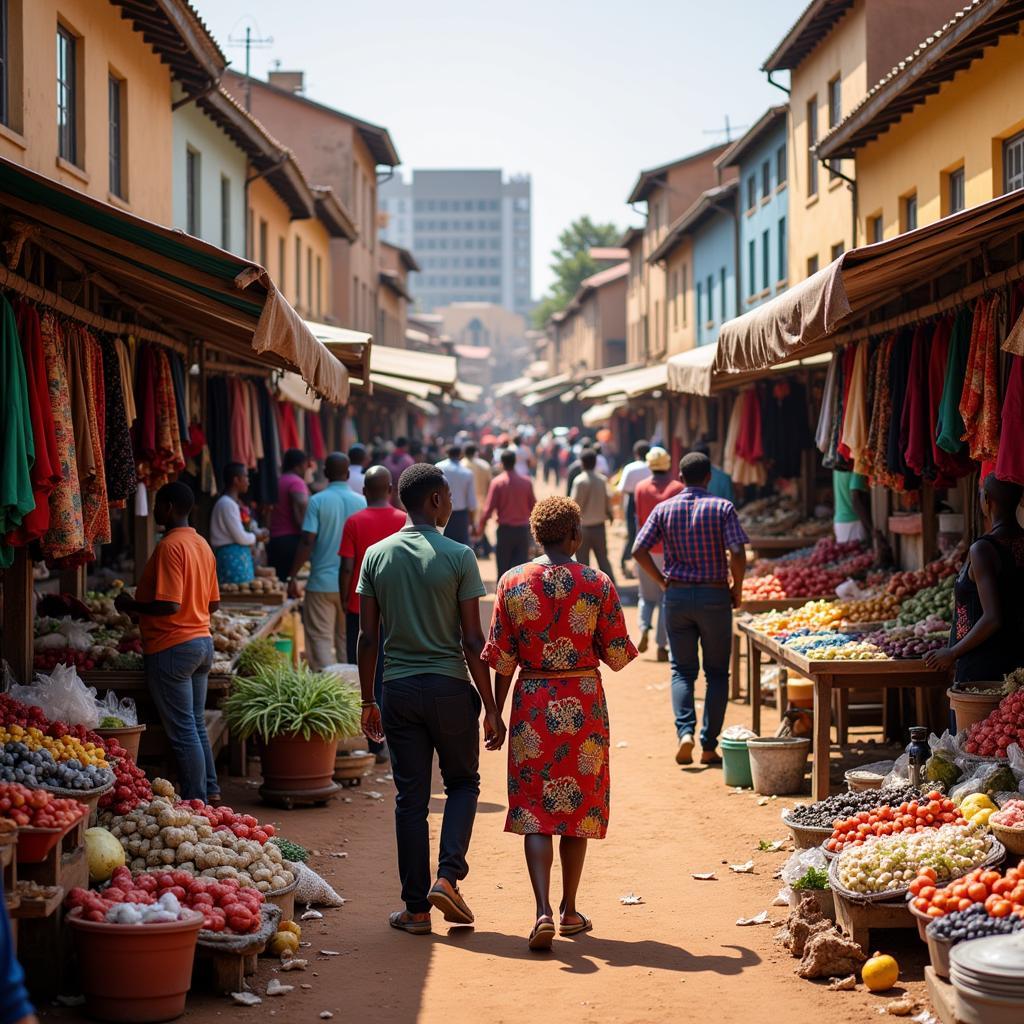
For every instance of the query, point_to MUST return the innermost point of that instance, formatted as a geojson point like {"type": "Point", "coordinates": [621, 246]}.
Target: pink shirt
{"type": "Point", "coordinates": [510, 497]}
{"type": "Point", "coordinates": [282, 519]}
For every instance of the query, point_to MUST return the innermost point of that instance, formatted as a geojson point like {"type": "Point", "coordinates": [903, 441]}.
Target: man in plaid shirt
{"type": "Point", "coordinates": [702, 579]}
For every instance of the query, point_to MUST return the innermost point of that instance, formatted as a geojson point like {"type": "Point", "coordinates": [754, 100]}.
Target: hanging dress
{"type": "Point", "coordinates": [17, 453]}
{"type": "Point", "coordinates": [979, 402]}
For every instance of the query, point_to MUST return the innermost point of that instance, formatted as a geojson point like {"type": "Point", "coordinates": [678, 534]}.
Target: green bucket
{"type": "Point", "coordinates": [284, 645]}
{"type": "Point", "coordinates": [736, 763]}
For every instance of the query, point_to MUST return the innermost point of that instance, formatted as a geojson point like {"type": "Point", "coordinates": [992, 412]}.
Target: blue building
{"type": "Point", "coordinates": [759, 159]}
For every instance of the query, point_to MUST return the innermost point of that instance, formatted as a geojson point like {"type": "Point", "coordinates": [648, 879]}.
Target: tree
{"type": "Point", "coordinates": [571, 263]}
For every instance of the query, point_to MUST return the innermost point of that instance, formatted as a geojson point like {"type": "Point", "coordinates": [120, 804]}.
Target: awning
{"type": "Point", "coordinates": [631, 383]}
{"type": "Point", "coordinates": [292, 388]}
{"type": "Point", "coordinates": [597, 415]}
{"type": "Point", "coordinates": [690, 371]}
{"type": "Point", "coordinates": [811, 315]}
{"type": "Point", "coordinates": [512, 387]}
{"type": "Point", "coordinates": [473, 351]}
{"type": "Point", "coordinates": [441, 371]}
{"type": "Point", "coordinates": [468, 392]}
{"type": "Point", "coordinates": [424, 406]}
{"type": "Point", "coordinates": [187, 288]}
{"type": "Point", "coordinates": [547, 384]}
{"type": "Point", "coordinates": [350, 348]}
{"type": "Point", "coordinates": [401, 386]}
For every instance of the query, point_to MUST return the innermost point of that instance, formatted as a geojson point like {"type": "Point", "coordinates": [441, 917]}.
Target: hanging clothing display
{"type": "Point", "coordinates": [979, 402]}
{"type": "Point", "coordinates": [287, 430]}
{"type": "Point", "coordinates": [158, 451]}
{"type": "Point", "coordinates": [17, 453]}
{"type": "Point", "coordinates": [119, 461]}
{"type": "Point", "coordinates": [255, 427]}
{"type": "Point", "coordinates": [915, 428]}
{"type": "Point", "coordinates": [949, 428]}
{"type": "Point", "coordinates": [785, 431]}
{"type": "Point", "coordinates": [855, 411]}
{"type": "Point", "coordinates": [241, 438]}
{"type": "Point", "coordinates": [1010, 460]}
{"type": "Point", "coordinates": [179, 380]}
{"type": "Point", "coordinates": [264, 485]}
{"type": "Point", "coordinates": [832, 458]}
{"type": "Point", "coordinates": [902, 478]}
{"type": "Point", "coordinates": [314, 437]}
{"type": "Point", "coordinates": [218, 425]}
{"type": "Point", "coordinates": [124, 361]}
{"type": "Point", "coordinates": [828, 400]}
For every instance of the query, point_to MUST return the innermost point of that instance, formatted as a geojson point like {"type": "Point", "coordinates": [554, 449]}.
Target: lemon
{"type": "Point", "coordinates": [881, 972]}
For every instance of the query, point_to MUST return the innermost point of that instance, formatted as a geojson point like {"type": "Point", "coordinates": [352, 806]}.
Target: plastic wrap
{"type": "Point", "coordinates": [63, 696]}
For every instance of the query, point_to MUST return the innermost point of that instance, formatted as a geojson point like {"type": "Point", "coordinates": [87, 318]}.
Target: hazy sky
{"type": "Point", "coordinates": [580, 95]}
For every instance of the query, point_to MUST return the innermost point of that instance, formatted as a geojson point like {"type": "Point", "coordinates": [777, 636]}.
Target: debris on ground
{"type": "Point", "coordinates": [277, 988]}
{"type": "Point", "coordinates": [246, 998]}
{"type": "Point", "coordinates": [631, 899]}
{"type": "Point", "coordinates": [743, 869]}
{"type": "Point", "coordinates": [805, 920]}
{"type": "Point", "coordinates": [901, 1007]}
{"type": "Point", "coordinates": [847, 984]}
{"type": "Point", "coordinates": [761, 918]}
{"type": "Point", "coordinates": [829, 954]}
{"type": "Point", "coordinates": [705, 876]}
{"type": "Point", "coordinates": [295, 964]}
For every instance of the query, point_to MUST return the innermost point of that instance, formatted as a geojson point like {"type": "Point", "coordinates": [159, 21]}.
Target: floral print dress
{"type": "Point", "coordinates": [561, 619]}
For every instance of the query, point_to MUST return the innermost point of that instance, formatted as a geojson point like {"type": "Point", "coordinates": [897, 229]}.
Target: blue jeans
{"type": "Point", "coordinates": [177, 678]}
{"type": "Point", "coordinates": [651, 596]}
{"type": "Point", "coordinates": [699, 613]}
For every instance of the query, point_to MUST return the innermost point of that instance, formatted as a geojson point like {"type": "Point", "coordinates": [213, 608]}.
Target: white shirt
{"type": "Point", "coordinates": [632, 474]}
{"type": "Point", "coordinates": [523, 456]}
{"type": "Point", "coordinates": [226, 524]}
{"type": "Point", "coordinates": [462, 484]}
{"type": "Point", "coordinates": [355, 479]}
{"type": "Point", "coordinates": [602, 465]}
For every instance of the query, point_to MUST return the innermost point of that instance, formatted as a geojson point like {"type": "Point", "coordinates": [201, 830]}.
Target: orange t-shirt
{"type": "Point", "coordinates": [181, 569]}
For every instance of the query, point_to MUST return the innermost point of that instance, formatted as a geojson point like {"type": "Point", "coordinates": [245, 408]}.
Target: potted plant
{"type": "Point", "coordinates": [297, 716]}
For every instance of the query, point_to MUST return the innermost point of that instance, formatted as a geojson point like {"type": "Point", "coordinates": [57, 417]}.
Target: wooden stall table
{"type": "Point", "coordinates": [781, 545]}
{"type": "Point", "coordinates": [828, 676]}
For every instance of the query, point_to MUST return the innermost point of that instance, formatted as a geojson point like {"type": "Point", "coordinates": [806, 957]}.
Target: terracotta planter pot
{"type": "Point", "coordinates": [130, 736]}
{"type": "Point", "coordinates": [970, 708]}
{"type": "Point", "coordinates": [135, 973]}
{"type": "Point", "coordinates": [292, 764]}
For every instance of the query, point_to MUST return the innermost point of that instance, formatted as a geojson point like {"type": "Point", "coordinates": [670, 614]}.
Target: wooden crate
{"type": "Point", "coordinates": [942, 996]}
{"type": "Point", "coordinates": [65, 865]}
{"type": "Point", "coordinates": [857, 919]}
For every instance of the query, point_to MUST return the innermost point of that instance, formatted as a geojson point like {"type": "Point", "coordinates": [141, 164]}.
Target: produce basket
{"type": "Point", "coordinates": [867, 776]}
{"type": "Point", "coordinates": [806, 836]}
{"type": "Point", "coordinates": [129, 736]}
{"type": "Point", "coordinates": [1011, 838]}
{"type": "Point", "coordinates": [922, 919]}
{"type": "Point", "coordinates": [284, 899]}
{"type": "Point", "coordinates": [34, 844]}
{"type": "Point", "coordinates": [938, 950]}
{"type": "Point", "coordinates": [89, 797]}
{"type": "Point", "coordinates": [248, 944]}
{"type": "Point", "coordinates": [970, 708]}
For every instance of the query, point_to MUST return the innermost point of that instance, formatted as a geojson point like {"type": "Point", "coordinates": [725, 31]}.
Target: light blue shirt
{"type": "Point", "coordinates": [461, 483]}
{"type": "Point", "coordinates": [721, 484]}
{"type": "Point", "coordinates": [325, 516]}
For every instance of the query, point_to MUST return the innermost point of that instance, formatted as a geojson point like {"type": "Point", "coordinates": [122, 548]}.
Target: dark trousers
{"type": "Point", "coordinates": [704, 614]}
{"type": "Point", "coordinates": [630, 513]}
{"type": "Point", "coordinates": [457, 527]}
{"type": "Point", "coordinates": [595, 539]}
{"type": "Point", "coordinates": [281, 553]}
{"type": "Point", "coordinates": [421, 714]}
{"type": "Point", "coordinates": [351, 654]}
{"type": "Point", "coordinates": [513, 547]}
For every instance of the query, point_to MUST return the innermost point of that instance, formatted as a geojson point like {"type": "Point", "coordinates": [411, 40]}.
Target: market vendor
{"type": "Point", "coordinates": [231, 537]}
{"type": "Point", "coordinates": [289, 511]}
{"type": "Point", "coordinates": [173, 601]}
{"type": "Point", "coordinates": [852, 514]}
{"type": "Point", "coordinates": [988, 615]}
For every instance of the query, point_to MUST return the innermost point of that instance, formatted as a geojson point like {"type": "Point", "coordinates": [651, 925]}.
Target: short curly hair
{"type": "Point", "coordinates": [554, 520]}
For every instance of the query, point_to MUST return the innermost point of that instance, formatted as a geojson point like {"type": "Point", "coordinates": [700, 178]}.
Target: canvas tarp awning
{"type": "Point", "coordinates": [811, 315]}
{"type": "Point", "coordinates": [547, 384]}
{"type": "Point", "coordinates": [187, 287]}
{"type": "Point", "coordinates": [690, 371]}
{"type": "Point", "coordinates": [512, 387]}
{"type": "Point", "coordinates": [631, 383]}
{"type": "Point", "coordinates": [351, 348]}
{"type": "Point", "coordinates": [292, 388]}
{"type": "Point", "coordinates": [424, 405]}
{"type": "Point", "coordinates": [468, 392]}
{"type": "Point", "coordinates": [401, 386]}
{"type": "Point", "coordinates": [597, 415]}
{"type": "Point", "coordinates": [440, 371]}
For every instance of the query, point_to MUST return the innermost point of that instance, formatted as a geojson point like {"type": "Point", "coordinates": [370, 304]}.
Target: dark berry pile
{"type": "Point", "coordinates": [825, 813]}
{"type": "Point", "coordinates": [973, 923]}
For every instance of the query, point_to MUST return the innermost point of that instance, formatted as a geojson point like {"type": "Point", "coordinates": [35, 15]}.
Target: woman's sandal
{"type": "Point", "coordinates": [542, 936]}
{"type": "Point", "coordinates": [585, 925]}
{"type": "Point", "coordinates": [400, 920]}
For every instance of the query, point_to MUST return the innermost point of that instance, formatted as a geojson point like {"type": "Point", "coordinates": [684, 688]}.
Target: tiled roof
{"type": "Point", "coordinates": [813, 25]}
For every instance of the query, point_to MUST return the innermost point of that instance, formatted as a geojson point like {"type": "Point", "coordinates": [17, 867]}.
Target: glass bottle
{"type": "Point", "coordinates": [918, 752]}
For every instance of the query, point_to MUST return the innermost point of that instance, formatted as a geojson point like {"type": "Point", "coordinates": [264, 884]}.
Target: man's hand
{"type": "Point", "coordinates": [494, 731]}
{"type": "Point", "coordinates": [372, 726]}
{"type": "Point", "coordinates": [126, 605]}
{"type": "Point", "coordinates": [736, 594]}
{"type": "Point", "coordinates": [263, 534]}
{"type": "Point", "coordinates": [293, 588]}
{"type": "Point", "coordinates": [941, 660]}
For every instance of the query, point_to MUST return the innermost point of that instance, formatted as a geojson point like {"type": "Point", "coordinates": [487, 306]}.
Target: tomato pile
{"type": "Point", "coordinates": [36, 808]}
{"type": "Point", "coordinates": [224, 819]}
{"type": "Point", "coordinates": [903, 584]}
{"type": "Point", "coordinates": [931, 811]}
{"type": "Point", "coordinates": [1001, 895]}
{"type": "Point", "coordinates": [225, 905]}
{"type": "Point", "coordinates": [1005, 725]}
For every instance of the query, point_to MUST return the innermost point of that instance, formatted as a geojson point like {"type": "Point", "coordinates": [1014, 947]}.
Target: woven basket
{"type": "Point", "coordinates": [806, 836]}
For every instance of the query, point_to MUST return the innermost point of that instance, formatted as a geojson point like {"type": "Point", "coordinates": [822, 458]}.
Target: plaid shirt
{"type": "Point", "coordinates": [695, 529]}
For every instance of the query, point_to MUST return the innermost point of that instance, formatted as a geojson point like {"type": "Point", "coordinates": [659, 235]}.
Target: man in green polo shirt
{"type": "Point", "coordinates": [852, 516]}
{"type": "Point", "coordinates": [425, 590]}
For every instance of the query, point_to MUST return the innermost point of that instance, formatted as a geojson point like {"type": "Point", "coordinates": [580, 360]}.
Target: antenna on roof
{"type": "Point", "coordinates": [250, 42]}
{"type": "Point", "coordinates": [727, 130]}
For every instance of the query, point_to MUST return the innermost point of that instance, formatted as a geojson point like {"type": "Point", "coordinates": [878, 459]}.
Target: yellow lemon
{"type": "Point", "coordinates": [881, 972]}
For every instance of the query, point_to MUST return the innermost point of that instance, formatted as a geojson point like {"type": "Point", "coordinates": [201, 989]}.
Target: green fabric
{"type": "Point", "coordinates": [843, 486]}
{"type": "Point", "coordinates": [418, 577]}
{"type": "Point", "coordinates": [949, 429]}
{"type": "Point", "coordinates": [18, 451]}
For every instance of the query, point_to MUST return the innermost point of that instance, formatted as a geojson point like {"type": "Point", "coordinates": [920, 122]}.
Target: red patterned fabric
{"type": "Point", "coordinates": [979, 401]}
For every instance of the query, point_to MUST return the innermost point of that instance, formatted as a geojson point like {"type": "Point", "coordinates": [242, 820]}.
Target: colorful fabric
{"type": "Point", "coordinates": [565, 619]}
{"type": "Point", "coordinates": [282, 519]}
{"type": "Point", "coordinates": [66, 533]}
{"type": "Point", "coordinates": [315, 437]}
{"type": "Point", "coordinates": [979, 401]}
{"type": "Point", "coordinates": [241, 432]}
{"type": "Point", "coordinates": [915, 429]}
{"type": "Point", "coordinates": [234, 564]}
{"type": "Point", "coordinates": [855, 414]}
{"type": "Point", "coordinates": [119, 461]}
{"type": "Point", "coordinates": [651, 493]}
{"type": "Point", "coordinates": [17, 453]}
{"type": "Point", "coordinates": [1010, 462]}
{"type": "Point", "coordinates": [696, 530]}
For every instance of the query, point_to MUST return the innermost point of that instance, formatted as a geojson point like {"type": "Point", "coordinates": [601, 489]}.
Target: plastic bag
{"type": "Point", "coordinates": [987, 777]}
{"type": "Point", "coordinates": [311, 888]}
{"type": "Point", "coordinates": [63, 696]}
{"type": "Point", "coordinates": [800, 861]}
{"type": "Point", "coordinates": [113, 707]}
{"type": "Point", "coordinates": [346, 673]}
{"type": "Point", "coordinates": [67, 634]}
{"type": "Point", "coordinates": [947, 746]}
{"type": "Point", "coordinates": [738, 732]}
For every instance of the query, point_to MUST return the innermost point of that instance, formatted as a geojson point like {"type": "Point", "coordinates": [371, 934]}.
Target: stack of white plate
{"type": "Point", "coordinates": [988, 975]}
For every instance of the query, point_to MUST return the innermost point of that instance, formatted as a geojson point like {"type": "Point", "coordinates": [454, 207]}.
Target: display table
{"type": "Point", "coordinates": [768, 545]}
{"type": "Point", "coordinates": [828, 676]}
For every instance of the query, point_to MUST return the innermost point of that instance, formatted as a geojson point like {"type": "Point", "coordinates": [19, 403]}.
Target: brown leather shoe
{"type": "Point", "coordinates": [710, 758]}
{"type": "Point", "coordinates": [447, 898]}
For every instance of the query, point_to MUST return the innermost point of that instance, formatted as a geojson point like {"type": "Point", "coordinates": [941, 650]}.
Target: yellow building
{"type": "Point", "coordinates": [85, 96]}
{"type": "Point", "coordinates": [944, 130]}
{"type": "Point", "coordinates": [836, 50]}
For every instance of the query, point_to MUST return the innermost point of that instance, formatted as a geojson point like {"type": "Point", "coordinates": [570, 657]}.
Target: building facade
{"type": "Point", "coordinates": [396, 264]}
{"type": "Point", "coordinates": [471, 232]}
{"type": "Point", "coordinates": [590, 333]}
{"type": "Point", "coordinates": [945, 138]}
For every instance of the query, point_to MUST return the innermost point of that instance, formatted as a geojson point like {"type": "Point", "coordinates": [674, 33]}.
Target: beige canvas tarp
{"type": "Point", "coordinates": [690, 372]}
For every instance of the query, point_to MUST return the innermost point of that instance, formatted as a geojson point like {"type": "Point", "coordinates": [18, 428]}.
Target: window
{"type": "Point", "coordinates": [751, 268]}
{"type": "Point", "coordinates": [835, 101]}
{"type": "Point", "coordinates": [674, 292]}
{"type": "Point", "coordinates": [812, 141]}
{"type": "Point", "coordinates": [298, 271]}
{"type": "Point", "coordinates": [263, 253]}
{"type": "Point", "coordinates": [192, 190]}
{"type": "Point", "coordinates": [5, 70]}
{"type": "Point", "coordinates": [751, 192]}
{"type": "Point", "coordinates": [766, 179]}
{"type": "Point", "coordinates": [682, 288]}
{"type": "Point", "coordinates": [812, 265]}
{"type": "Point", "coordinates": [700, 301]}
{"type": "Point", "coordinates": [115, 110]}
{"type": "Point", "coordinates": [876, 230]}
{"type": "Point", "coordinates": [721, 293]}
{"type": "Point", "coordinates": [280, 259]}
{"type": "Point", "coordinates": [956, 190]}
{"type": "Point", "coordinates": [910, 212]}
{"type": "Point", "coordinates": [783, 259]}
{"type": "Point", "coordinates": [837, 250]}
{"type": "Point", "coordinates": [225, 212]}
{"type": "Point", "coordinates": [711, 299]}
{"type": "Point", "coordinates": [67, 95]}
{"type": "Point", "coordinates": [309, 279]}
{"type": "Point", "coordinates": [766, 243]}
{"type": "Point", "coordinates": [1013, 163]}
{"type": "Point", "coordinates": [781, 172]}
{"type": "Point", "coordinates": [319, 287]}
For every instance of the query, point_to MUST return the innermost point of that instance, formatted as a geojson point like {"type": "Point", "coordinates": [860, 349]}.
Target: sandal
{"type": "Point", "coordinates": [585, 925]}
{"type": "Point", "coordinates": [400, 919]}
{"type": "Point", "coordinates": [542, 936]}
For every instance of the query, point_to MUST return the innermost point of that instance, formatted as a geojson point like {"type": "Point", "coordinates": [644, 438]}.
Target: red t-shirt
{"type": "Point", "coordinates": [362, 530]}
{"type": "Point", "coordinates": [648, 494]}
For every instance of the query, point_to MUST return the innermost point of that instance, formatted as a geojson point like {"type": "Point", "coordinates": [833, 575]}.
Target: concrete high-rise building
{"type": "Point", "coordinates": [469, 231]}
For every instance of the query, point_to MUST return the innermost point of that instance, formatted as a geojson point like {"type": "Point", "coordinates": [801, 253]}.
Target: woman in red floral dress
{"type": "Point", "coordinates": [556, 620]}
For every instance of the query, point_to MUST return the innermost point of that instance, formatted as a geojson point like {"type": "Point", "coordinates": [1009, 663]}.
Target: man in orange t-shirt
{"type": "Point", "coordinates": [173, 601]}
